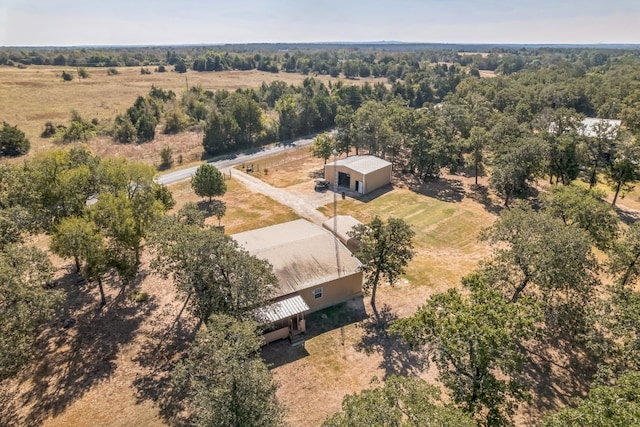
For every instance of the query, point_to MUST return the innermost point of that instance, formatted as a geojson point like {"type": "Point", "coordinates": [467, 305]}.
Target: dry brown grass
{"type": "Point", "coordinates": [34, 95]}
{"type": "Point", "coordinates": [291, 167]}
{"type": "Point", "coordinates": [245, 210]}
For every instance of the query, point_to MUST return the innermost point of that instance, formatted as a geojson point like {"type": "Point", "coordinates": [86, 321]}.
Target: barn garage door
{"type": "Point", "coordinates": [344, 179]}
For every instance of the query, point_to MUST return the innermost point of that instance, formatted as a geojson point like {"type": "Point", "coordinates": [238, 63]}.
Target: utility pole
{"type": "Point", "coordinates": [335, 209]}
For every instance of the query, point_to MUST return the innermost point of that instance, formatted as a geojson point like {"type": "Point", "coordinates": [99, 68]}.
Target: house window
{"type": "Point", "coordinates": [317, 293]}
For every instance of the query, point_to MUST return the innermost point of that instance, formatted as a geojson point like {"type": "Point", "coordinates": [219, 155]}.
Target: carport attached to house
{"type": "Point", "coordinates": [282, 319]}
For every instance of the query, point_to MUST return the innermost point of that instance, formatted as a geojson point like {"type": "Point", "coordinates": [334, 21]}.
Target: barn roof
{"type": "Point", "coordinates": [363, 164]}
{"type": "Point", "coordinates": [303, 254]}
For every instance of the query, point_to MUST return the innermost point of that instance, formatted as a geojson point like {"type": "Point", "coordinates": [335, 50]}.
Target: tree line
{"type": "Point", "coordinates": [392, 61]}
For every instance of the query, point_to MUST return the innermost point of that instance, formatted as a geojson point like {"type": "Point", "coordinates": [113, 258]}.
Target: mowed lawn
{"type": "Point", "coordinates": [446, 240]}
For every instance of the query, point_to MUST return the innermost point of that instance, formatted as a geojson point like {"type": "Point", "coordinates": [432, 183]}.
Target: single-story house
{"type": "Point", "coordinates": [314, 271]}
{"type": "Point", "coordinates": [343, 225]}
{"type": "Point", "coordinates": [361, 174]}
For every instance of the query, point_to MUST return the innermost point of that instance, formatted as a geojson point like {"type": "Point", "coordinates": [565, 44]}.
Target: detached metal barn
{"type": "Point", "coordinates": [361, 174]}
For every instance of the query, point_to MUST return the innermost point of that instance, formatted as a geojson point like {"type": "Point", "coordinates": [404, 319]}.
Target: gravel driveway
{"type": "Point", "coordinates": [304, 205]}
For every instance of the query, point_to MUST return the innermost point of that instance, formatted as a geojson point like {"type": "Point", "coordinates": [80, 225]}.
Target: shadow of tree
{"type": "Point", "coordinates": [156, 358]}
{"type": "Point", "coordinates": [316, 173]}
{"type": "Point", "coordinates": [628, 216]}
{"type": "Point", "coordinates": [558, 370]}
{"type": "Point", "coordinates": [80, 356]}
{"type": "Point", "coordinates": [443, 189]}
{"type": "Point", "coordinates": [205, 208]}
{"type": "Point", "coordinates": [397, 356]}
{"type": "Point", "coordinates": [480, 194]}
{"type": "Point", "coordinates": [8, 410]}
{"type": "Point", "coordinates": [281, 353]}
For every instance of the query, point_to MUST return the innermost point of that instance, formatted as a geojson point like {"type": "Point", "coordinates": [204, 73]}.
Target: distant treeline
{"type": "Point", "coordinates": [393, 61]}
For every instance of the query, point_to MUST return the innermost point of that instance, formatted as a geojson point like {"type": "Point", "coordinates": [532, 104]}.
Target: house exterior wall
{"type": "Point", "coordinates": [333, 292]}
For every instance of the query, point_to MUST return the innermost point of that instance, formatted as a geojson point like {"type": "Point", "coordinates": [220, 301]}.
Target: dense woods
{"type": "Point", "coordinates": [562, 277]}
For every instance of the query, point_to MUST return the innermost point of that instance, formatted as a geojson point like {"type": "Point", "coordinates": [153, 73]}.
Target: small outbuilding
{"type": "Point", "coordinates": [361, 174]}
{"type": "Point", "coordinates": [314, 271]}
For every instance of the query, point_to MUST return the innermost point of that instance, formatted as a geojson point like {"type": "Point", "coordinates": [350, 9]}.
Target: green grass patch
{"type": "Point", "coordinates": [446, 240]}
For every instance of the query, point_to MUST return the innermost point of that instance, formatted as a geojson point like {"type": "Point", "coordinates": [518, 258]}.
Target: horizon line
{"type": "Point", "coordinates": [372, 42]}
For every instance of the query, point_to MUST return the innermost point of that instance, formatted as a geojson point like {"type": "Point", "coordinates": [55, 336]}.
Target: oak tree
{"type": "Point", "coordinates": [224, 381]}
{"type": "Point", "coordinates": [606, 406]}
{"type": "Point", "coordinates": [475, 341]}
{"type": "Point", "coordinates": [25, 303]}
{"type": "Point", "coordinates": [399, 402]}
{"type": "Point", "coordinates": [323, 146]}
{"type": "Point", "coordinates": [210, 269]}
{"type": "Point", "coordinates": [385, 250]}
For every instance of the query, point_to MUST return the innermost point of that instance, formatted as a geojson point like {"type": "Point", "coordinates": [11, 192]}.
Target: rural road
{"type": "Point", "coordinates": [181, 175]}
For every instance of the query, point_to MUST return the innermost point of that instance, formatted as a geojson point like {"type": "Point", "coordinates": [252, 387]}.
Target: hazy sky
{"type": "Point", "coordinates": [109, 22]}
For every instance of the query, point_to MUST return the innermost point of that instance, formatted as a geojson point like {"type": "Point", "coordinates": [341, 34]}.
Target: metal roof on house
{"type": "Point", "coordinates": [345, 223]}
{"type": "Point", "coordinates": [362, 164]}
{"type": "Point", "coordinates": [279, 310]}
{"type": "Point", "coordinates": [302, 254]}
{"type": "Point", "coordinates": [591, 126]}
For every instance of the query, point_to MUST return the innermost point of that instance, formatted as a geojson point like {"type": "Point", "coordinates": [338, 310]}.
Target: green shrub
{"type": "Point", "coordinates": [13, 141]}
{"type": "Point", "coordinates": [166, 158]}
{"type": "Point", "coordinates": [138, 296]}
{"type": "Point", "coordinates": [49, 130]}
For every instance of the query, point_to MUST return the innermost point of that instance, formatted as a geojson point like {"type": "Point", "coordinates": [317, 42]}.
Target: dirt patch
{"type": "Point", "coordinates": [84, 371]}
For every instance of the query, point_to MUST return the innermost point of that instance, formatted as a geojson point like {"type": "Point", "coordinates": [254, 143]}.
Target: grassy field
{"type": "Point", "coordinates": [446, 233]}
{"type": "Point", "coordinates": [287, 168]}
{"type": "Point", "coordinates": [245, 210]}
{"type": "Point", "coordinates": [34, 95]}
